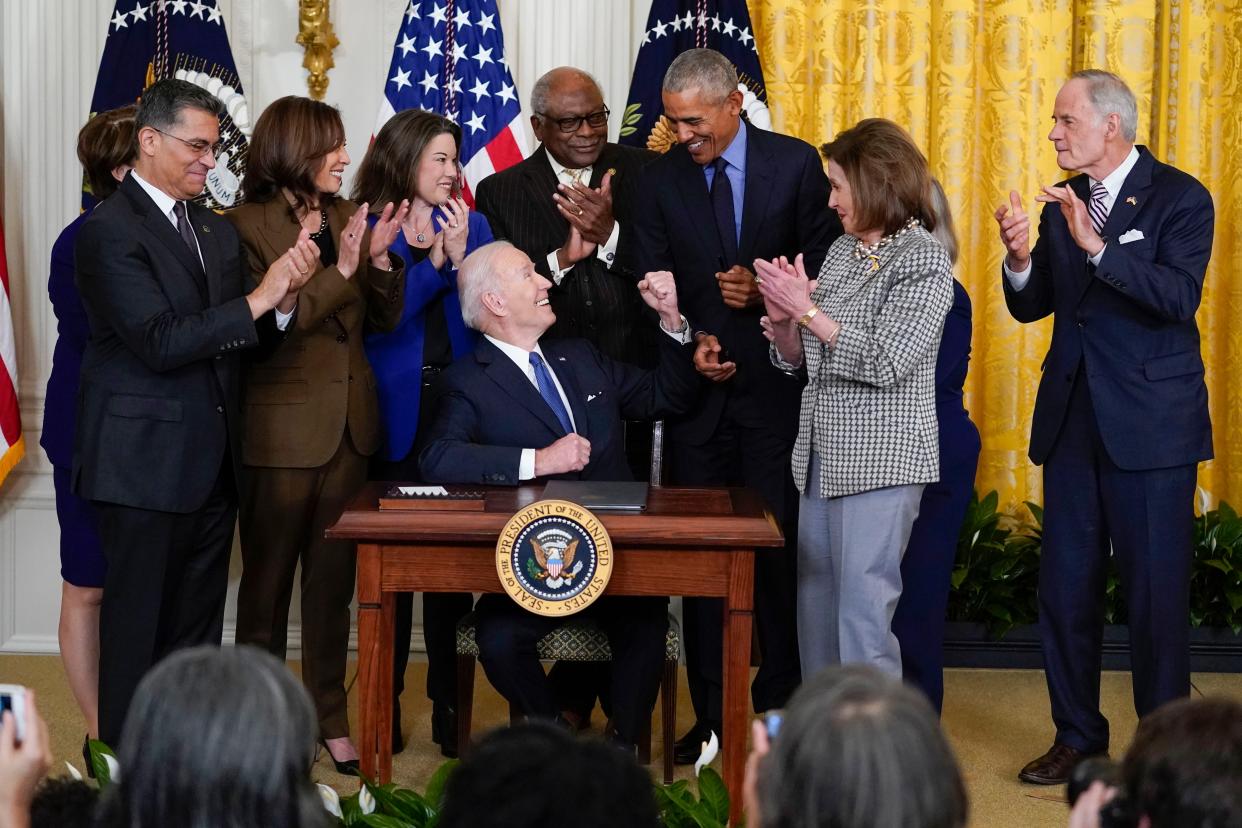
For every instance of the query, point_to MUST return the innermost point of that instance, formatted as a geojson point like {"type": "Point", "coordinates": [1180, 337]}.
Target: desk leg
{"type": "Point", "coordinates": [376, 614]}
{"type": "Point", "coordinates": [736, 675]}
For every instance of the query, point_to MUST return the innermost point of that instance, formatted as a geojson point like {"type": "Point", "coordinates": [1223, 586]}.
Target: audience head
{"type": "Point", "coordinates": [1095, 123]}
{"type": "Point", "coordinates": [62, 802]}
{"type": "Point", "coordinates": [503, 295]}
{"type": "Point", "coordinates": [879, 179]}
{"type": "Point", "coordinates": [858, 749]}
{"type": "Point", "coordinates": [178, 133]}
{"type": "Point", "coordinates": [414, 156]}
{"type": "Point", "coordinates": [107, 148]}
{"type": "Point", "coordinates": [943, 231]}
{"type": "Point", "coordinates": [298, 148]}
{"type": "Point", "coordinates": [1184, 767]}
{"type": "Point", "coordinates": [569, 117]}
{"type": "Point", "coordinates": [536, 775]}
{"type": "Point", "coordinates": [213, 738]}
{"type": "Point", "coordinates": [702, 102]}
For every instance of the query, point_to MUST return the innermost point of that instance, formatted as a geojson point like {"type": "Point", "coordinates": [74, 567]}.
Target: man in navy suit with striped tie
{"type": "Point", "coordinates": [1121, 418]}
{"type": "Point", "coordinates": [519, 409]}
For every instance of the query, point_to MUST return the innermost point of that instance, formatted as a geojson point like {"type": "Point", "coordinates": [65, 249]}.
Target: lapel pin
{"type": "Point", "coordinates": [1132, 201]}
{"type": "Point", "coordinates": [205, 230]}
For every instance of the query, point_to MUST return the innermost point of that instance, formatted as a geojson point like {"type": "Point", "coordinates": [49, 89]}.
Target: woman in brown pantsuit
{"type": "Point", "coordinates": [310, 408]}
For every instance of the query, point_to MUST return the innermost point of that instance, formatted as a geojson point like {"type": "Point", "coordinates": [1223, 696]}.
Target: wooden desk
{"type": "Point", "coordinates": [697, 542]}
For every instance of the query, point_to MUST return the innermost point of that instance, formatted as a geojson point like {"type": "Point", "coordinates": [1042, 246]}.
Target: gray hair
{"type": "Point", "coordinates": [858, 749]}
{"type": "Point", "coordinates": [479, 275]}
{"type": "Point", "coordinates": [543, 87]}
{"type": "Point", "coordinates": [217, 737]}
{"type": "Point", "coordinates": [163, 101]}
{"type": "Point", "coordinates": [704, 69]}
{"type": "Point", "coordinates": [943, 230]}
{"type": "Point", "coordinates": [1108, 95]}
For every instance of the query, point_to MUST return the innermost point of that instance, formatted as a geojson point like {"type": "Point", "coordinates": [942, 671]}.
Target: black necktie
{"type": "Point", "coordinates": [183, 227]}
{"type": "Point", "coordinates": [722, 207]}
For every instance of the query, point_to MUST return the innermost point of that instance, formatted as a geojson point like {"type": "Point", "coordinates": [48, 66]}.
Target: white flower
{"type": "Point", "coordinates": [366, 801]}
{"type": "Point", "coordinates": [331, 800]}
{"type": "Point", "coordinates": [114, 768]}
{"type": "Point", "coordinates": [74, 772]}
{"type": "Point", "coordinates": [707, 753]}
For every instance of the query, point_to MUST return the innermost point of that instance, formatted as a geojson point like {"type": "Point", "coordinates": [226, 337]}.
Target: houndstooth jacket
{"type": "Point", "coordinates": [868, 409]}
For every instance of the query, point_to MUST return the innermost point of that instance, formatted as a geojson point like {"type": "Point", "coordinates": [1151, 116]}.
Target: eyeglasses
{"type": "Point", "coordinates": [198, 145]}
{"type": "Point", "coordinates": [594, 119]}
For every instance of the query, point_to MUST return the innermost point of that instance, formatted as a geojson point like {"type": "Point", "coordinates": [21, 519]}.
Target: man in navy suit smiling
{"type": "Point", "coordinates": [1121, 419]}
{"type": "Point", "coordinates": [518, 409]}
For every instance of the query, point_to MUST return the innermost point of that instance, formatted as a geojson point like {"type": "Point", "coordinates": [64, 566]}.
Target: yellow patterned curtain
{"type": "Point", "coordinates": [974, 82]}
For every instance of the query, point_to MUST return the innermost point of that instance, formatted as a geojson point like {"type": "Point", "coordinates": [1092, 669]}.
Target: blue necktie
{"type": "Point", "coordinates": [547, 390]}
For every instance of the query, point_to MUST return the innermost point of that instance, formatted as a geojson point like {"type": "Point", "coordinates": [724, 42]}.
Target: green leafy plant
{"type": "Point", "coordinates": [996, 571]}
{"type": "Point", "coordinates": [680, 808]}
{"type": "Point", "coordinates": [1216, 575]}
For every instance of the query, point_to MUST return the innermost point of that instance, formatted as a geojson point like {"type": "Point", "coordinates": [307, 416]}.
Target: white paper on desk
{"type": "Point", "coordinates": [423, 491]}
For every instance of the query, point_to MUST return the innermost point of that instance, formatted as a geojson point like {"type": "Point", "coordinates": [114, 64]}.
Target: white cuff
{"type": "Point", "coordinates": [608, 252]}
{"type": "Point", "coordinates": [1018, 280]}
{"type": "Point", "coordinates": [683, 334]}
{"type": "Point", "coordinates": [526, 466]}
{"type": "Point", "coordinates": [554, 267]}
{"type": "Point", "coordinates": [282, 319]}
{"type": "Point", "coordinates": [1095, 260]}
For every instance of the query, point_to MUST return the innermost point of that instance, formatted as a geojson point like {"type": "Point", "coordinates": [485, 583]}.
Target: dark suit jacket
{"type": "Point", "coordinates": [159, 403]}
{"type": "Point", "coordinates": [1129, 322]}
{"type": "Point", "coordinates": [300, 398]}
{"type": "Point", "coordinates": [785, 212]}
{"type": "Point", "coordinates": [594, 301]}
{"type": "Point", "coordinates": [72, 333]}
{"type": "Point", "coordinates": [490, 411]}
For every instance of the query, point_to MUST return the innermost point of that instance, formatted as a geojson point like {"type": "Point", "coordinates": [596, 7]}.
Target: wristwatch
{"type": "Point", "coordinates": [805, 319]}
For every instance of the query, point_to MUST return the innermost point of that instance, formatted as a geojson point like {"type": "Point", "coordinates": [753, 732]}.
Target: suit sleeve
{"type": "Point", "coordinates": [454, 455]}
{"type": "Point", "coordinates": [118, 285]}
{"type": "Point", "coordinates": [1171, 284]}
{"type": "Point", "coordinates": [1037, 297]}
{"type": "Point", "coordinates": [644, 394]}
{"type": "Point", "coordinates": [908, 325]}
{"type": "Point", "coordinates": [625, 210]}
{"type": "Point", "coordinates": [654, 250]}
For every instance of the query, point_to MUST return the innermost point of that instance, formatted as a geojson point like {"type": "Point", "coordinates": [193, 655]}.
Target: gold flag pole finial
{"type": "Point", "coordinates": [316, 37]}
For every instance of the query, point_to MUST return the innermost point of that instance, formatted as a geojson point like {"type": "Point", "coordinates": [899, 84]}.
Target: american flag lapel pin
{"type": "Point", "coordinates": [1132, 201]}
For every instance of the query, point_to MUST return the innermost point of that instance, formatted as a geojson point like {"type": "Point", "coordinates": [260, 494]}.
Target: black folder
{"type": "Point", "coordinates": [621, 495]}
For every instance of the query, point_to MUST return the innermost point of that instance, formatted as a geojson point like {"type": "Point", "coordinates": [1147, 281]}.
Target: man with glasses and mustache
{"type": "Point", "coordinates": [726, 194]}
{"type": "Point", "coordinates": [157, 444]}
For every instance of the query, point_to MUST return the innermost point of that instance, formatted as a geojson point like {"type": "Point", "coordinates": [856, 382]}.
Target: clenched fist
{"type": "Point", "coordinates": [570, 453]}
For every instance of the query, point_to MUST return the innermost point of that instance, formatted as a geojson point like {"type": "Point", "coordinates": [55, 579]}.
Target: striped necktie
{"type": "Point", "coordinates": [1096, 207]}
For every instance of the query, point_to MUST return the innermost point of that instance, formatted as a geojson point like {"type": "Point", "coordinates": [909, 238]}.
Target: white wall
{"type": "Point", "coordinates": [49, 55]}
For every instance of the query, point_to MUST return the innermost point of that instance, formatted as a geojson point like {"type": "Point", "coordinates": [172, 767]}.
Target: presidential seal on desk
{"type": "Point", "coordinates": [554, 558]}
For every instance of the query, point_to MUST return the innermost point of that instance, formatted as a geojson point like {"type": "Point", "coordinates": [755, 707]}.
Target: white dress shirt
{"type": "Point", "coordinates": [606, 252]}
{"type": "Point", "coordinates": [1112, 184]}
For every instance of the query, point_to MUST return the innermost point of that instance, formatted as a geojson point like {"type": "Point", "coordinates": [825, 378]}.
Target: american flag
{"type": "Point", "coordinates": [449, 57]}
{"type": "Point", "coordinates": [12, 444]}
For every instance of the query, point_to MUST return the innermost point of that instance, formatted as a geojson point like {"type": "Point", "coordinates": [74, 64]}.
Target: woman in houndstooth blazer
{"type": "Point", "coordinates": [866, 334]}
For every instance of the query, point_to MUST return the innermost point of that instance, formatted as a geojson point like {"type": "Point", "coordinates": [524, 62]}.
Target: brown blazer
{"type": "Point", "coordinates": [299, 398]}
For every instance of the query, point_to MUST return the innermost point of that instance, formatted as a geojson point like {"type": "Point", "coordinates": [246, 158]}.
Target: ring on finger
{"type": "Point", "coordinates": [579, 211]}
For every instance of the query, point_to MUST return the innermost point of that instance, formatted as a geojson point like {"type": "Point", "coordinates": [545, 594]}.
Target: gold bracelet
{"type": "Point", "coordinates": [805, 320]}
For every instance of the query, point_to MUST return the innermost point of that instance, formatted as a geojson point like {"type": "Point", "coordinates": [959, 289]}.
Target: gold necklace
{"type": "Point", "coordinates": [869, 253]}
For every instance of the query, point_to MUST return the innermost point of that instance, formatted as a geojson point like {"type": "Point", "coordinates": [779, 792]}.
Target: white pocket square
{"type": "Point", "coordinates": [1129, 236]}
{"type": "Point", "coordinates": [593, 396]}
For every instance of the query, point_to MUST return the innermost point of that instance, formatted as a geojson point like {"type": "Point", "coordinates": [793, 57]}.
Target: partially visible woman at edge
{"type": "Point", "coordinates": [927, 567]}
{"type": "Point", "coordinates": [866, 335]}
{"type": "Point", "coordinates": [107, 149]}
{"type": "Point", "coordinates": [414, 156]}
{"type": "Point", "coordinates": [310, 408]}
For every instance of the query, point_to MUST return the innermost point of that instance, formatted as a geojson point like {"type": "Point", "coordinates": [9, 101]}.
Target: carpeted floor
{"type": "Point", "coordinates": [996, 721]}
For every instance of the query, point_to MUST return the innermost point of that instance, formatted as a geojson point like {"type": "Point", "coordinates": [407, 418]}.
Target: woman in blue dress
{"type": "Point", "coordinates": [107, 149]}
{"type": "Point", "coordinates": [927, 565]}
{"type": "Point", "coordinates": [415, 156]}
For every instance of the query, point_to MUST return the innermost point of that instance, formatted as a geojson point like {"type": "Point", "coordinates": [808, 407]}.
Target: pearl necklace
{"type": "Point", "coordinates": [870, 252]}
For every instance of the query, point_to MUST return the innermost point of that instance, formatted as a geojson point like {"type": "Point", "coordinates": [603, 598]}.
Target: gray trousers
{"type": "Point", "coordinates": [849, 574]}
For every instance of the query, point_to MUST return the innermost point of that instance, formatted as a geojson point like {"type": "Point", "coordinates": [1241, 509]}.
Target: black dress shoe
{"type": "Point", "coordinates": [444, 728]}
{"type": "Point", "coordinates": [347, 768]}
{"type": "Point", "coordinates": [1055, 766]}
{"type": "Point", "coordinates": [686, 750]}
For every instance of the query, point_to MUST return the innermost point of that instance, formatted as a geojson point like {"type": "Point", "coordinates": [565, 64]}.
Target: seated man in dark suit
{"type": "Point", "coordinates": [516, 410]}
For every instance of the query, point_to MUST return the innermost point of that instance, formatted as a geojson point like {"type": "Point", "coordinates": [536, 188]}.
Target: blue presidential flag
{"type": "Point", "coordinates": [150, 40]}
{"type": "Point", "coordinates": [449, 58]}
{"type": "Point", "coordinates": [673, 27]}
